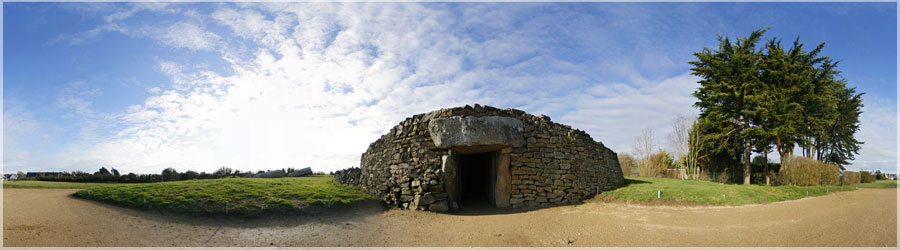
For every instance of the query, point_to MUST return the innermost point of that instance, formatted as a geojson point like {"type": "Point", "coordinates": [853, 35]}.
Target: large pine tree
{"type": "Point", "coordinates": [731, 91]}
{"type": "Point", "coordinates": [759, 98]}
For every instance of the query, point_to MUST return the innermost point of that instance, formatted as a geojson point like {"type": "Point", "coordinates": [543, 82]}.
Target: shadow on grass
{"type": "Point", "coordinates": [629, 181]}
{"type": "Point", "coordinates": [339, 215]}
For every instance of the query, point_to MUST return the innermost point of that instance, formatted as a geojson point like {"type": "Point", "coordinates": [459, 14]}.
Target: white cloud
{"type": "Point", "coordinates": [138, 7]}
{"type": "Point", "coordinates": [90, 35]}
{"type": "Point", "coordinates": [18, 125]}
{"type": "Point", "coordinates": [878, 130]}
{"type": "Point", "coordinates": [24, 136]}
{"type": "Point", "coordinates": [616, 113]}
{"type": "Point", "coordinates": [185, 35]}
{"type": "Point", "coordinates": [76, 97]}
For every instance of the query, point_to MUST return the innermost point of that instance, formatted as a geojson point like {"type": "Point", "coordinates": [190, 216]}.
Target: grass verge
{"type": "Point", "coordinates": [229, 196]}
{"type": "Point", "coordinates": [54, 184]}
{"type": "Point", "coordinates": [879, 184]}
{"type": "Point", "coordinates": [705, 192]}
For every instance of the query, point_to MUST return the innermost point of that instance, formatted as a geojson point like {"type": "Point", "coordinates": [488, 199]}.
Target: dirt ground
{"type": "Point", "coordinates": [867, 217]}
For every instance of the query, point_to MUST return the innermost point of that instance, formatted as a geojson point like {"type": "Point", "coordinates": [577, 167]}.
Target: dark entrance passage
{"type": "Point", "coordinates": [477, 172]}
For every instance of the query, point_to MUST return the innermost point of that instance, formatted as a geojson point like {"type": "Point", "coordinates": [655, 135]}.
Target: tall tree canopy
{"type": "Point", "coordinates": [753, 99]}
{"type": "Point", "coordinates": [731, 91]}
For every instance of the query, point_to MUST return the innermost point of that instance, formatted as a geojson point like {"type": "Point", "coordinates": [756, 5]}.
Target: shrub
{"type": "Point", "coordinates": [866, 177]}
{"type": "Point", "coordinates": [661, 161]}
{"type": "Point", "coordinates": [802, 171]}
{"type": "Point", "coordinates": [627, 163]}
{"type": "Point", "coordinates": [850, 178]}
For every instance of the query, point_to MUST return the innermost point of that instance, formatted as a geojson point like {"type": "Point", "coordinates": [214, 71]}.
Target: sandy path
{"type": "Point", "coordinates": [867, 217]}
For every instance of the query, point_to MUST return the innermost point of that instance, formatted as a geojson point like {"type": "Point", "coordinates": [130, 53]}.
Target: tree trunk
{"type": "Point", "coordinates": [766, 156]}
{"type": "Point", "coordinates": [746, 155]}
{"type": "Point", "coordinates": [780, 153]}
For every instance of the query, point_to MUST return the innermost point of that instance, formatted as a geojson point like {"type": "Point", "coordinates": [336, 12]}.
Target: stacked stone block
{"type": "Point", "coordinates": [348, 176]}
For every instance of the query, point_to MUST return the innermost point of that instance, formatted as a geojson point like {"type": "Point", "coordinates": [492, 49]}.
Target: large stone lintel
{"type": "Point", "coordinates": [471, 131]}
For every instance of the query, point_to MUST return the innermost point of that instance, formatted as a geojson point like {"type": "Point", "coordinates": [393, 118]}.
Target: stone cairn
{"type": "Point", "coordinates": [348, 176]}
{"type": "Point", "coordinates": [556, 165]}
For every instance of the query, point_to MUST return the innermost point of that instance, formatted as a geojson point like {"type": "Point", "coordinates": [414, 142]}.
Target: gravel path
{"type": "Point", "coordinates": [867, 217]}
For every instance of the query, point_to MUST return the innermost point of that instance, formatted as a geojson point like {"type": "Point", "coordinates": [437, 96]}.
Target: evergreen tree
{"type": "Point", "coordinates": [103, 171]}
{"type": "Point", "coordinates": [755, 100]}
{"type": "Point", "coordinates": [731, 91]}
{"type": "Point", "coordinates": [169, 174]}
{"type": "Point", "coordinates": [786, 75]}
{"type": "Point", "coordinates": [841, 145]}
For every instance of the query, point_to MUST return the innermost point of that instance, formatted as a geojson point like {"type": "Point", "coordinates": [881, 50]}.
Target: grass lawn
{"type": "Point", "coordinates": [879, 184]}
{"type": "Point", "coordinates": [55, 184]}
{"type": "Point", "coordinates": [232, 196]}
{"type": "Point", "coordinates": [645, 190]}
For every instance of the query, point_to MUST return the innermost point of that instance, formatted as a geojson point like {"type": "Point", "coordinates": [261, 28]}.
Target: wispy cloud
{"type": "Point", "coordinates": [184, 35]}
{"type": "Point", "coordinates": [878, 130]}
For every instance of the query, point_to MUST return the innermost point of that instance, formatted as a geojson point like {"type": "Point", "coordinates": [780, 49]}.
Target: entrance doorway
{"type": "Point", "coordinates": [477, 173]}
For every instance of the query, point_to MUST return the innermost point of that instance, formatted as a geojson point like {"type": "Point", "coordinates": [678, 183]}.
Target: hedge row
{"type": "Point", "coordinates": [866, 177]}
{"type": "Point", "coordinates": [802, 171]}
{"type": "Point", "coordinates": [850, 178]}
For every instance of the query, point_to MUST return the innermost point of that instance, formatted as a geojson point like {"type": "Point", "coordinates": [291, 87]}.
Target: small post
{"type": "Point", "coordinates": [723, 196]}
{"type": "Point", "coordinates": [658, 193]}
{"type": "Point", "coordinates": [826, 190]}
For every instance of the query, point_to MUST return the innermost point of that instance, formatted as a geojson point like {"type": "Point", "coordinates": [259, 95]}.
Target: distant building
{"type": "Point", "coordinates": [890, 176]}
{"type": "Point", "coordinates": [10, 176]}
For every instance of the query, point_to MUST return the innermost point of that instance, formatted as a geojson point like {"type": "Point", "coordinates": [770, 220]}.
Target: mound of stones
{"type": "Point", "coordinates": [531, 161]}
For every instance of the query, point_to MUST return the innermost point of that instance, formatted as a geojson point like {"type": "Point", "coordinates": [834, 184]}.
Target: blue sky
{"type": "Point", "coordinates": [145, 86]}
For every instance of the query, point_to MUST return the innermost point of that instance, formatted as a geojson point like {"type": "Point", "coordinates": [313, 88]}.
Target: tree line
{"type": "Point", "coordinates": [756, 99]}
{"type": "Point", "coordinates": [168, 174]}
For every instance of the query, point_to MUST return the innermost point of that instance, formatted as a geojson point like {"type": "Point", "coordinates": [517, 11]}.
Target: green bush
{"type": "Point", "coordinates": [850, 178]}
{"type": "Point", "coordinates": [802, 171]}
{"type": "Point", "coordinates": [866, 177]}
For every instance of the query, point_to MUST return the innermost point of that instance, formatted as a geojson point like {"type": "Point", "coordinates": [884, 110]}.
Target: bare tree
{"type": "Point", "coordinates": [685, 140]}
{"type": "Point", "coordinates": [678, 139]}
{"type": "Point", "coordinates": [643, 148]}
{"type": "Point", "coordinates": [692, 161]}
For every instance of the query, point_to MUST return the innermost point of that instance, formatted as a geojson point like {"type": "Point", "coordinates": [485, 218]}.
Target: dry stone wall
{"type": "Point", "coordinates": [556, 164]}
{"type": "Point", "coordinates": [348, 176]}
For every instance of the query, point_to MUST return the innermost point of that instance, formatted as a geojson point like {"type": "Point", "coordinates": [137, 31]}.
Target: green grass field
{"type": "Point", "coordinates": [879, 184]}
{"type": "Point", "coordinates": [645, 190]}
{"type": "Point", "coordinates": [232, 196]}
{"type": "Point", "coordinates": [53, 184]}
